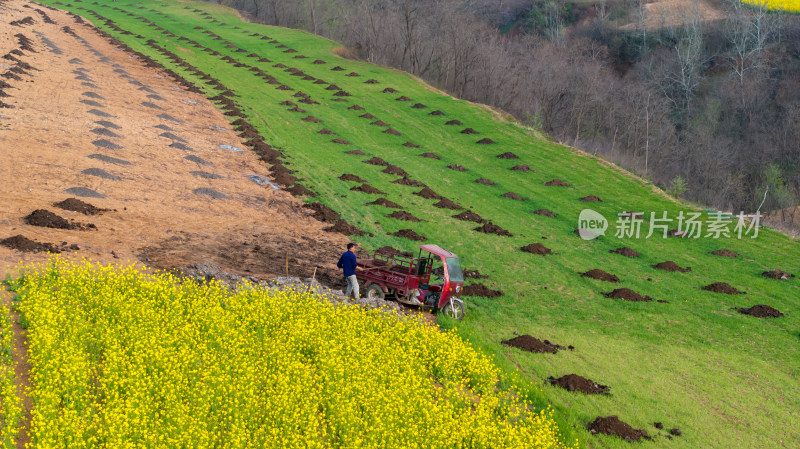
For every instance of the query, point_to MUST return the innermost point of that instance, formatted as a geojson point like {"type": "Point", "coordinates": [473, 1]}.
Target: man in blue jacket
{"type": "Point", "coordinates": [349, 265]}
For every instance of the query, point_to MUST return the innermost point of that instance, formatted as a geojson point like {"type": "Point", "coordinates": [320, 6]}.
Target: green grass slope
{"type": "Point", "coordinates": [726, 379]}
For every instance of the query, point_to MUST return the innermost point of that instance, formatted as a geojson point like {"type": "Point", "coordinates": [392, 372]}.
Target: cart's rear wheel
{"type": "Point", "coordinates": [454, 309]}
{"type": "Point", "coordinates": [374, 291]}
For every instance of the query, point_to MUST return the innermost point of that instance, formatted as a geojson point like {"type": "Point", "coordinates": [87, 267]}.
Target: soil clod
{"type": "Point", "coordinates": [485, 182]}
{"type": "Point", "coordinates": [481, 290]}
{"type": "Point", "coordinates": [403, 215]}
{"type": "Point", "coordinates": [600, 275]}
{"type": "Point", "coordinates": [385, 203]}
{"type": "Point", "coordinates": [523, 168]}
{"type": "Point", "coordinates": [761, 311]}
{"type": "Point", "coordinates": [611, 425]}
{"type": "Point", "coordinates": [722, 287]}
{"type": "Point", "coordinates": [537, 248]}
{"type": "Point", "coordinates": [533, 344]}
{"type": "Point", "coordinates": [625, 251]}
{"type": "Point", "coordinates": [671, 266]}
{"type": "Point", "coordinates": [409, 234]}
{"type": "Point", "coordinates": [574, 382]}
{"type": "Point", "coordinates": [628, 295]}
{"type": "Point", "coordinates": [490, 228]}
{"type": "Point", "coordinates": [76, 205]}
{"type": "Point", "coordinates": [557, 183]}
{"type": "Point", "coordinates": [431, 155]}
{"type": "Point", "coordinates": [545, 212]}
{"type": "Point", "coordinates": [469, 216]}
{"type": "Point", "coordinates": [591, 199]}
{"type": "Point", "coordinates": [777, 274]}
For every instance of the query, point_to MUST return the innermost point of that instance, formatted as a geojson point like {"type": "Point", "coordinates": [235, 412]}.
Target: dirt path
{"type": "Point", "coordinates": [21, 370]}
{"type": "Point", "coordinates": [87, 118]}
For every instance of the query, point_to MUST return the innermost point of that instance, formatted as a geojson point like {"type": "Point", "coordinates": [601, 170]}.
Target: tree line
{"type": "Point", "coordinates": [708, 109]}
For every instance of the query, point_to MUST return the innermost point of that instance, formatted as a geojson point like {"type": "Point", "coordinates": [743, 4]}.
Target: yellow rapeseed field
{"type": "Point", "coordinates": [786, 5]}
{"type": "Point", "coordinates": [127, 359]}
{"type": "Point", "coordinates": [10, 404]}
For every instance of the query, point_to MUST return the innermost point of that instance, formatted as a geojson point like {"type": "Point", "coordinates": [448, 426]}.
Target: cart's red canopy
{"type": "Point", "coordinates": [435, 249]}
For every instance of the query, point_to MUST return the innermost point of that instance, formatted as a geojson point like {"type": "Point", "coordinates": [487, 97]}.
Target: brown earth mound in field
{"type": "Point", "coordinates": [385, 203]}
{"type": "Point", "coordinates": [611, 425]}
{"type": "Point", "coordinates": [481, 290]}
{"type": "Point", "coordinates": [469, 131]}
{"type": "Point", "coordinates": [431, 155]}
{"type": "Point", "coordinates": [453, 122]}
{"type": "Point", "coordinates": [311, 119]}
{"type": "Point", "coordinates": [371, 81]}
{"type": "Point", "coordinates": [403, 98]}
{"type": "Point", "coordinates": [444, 203]}
{"type": "Point", "coordinates": [437, 112]}
{"type": "Point", "coordinates": [411, 145]}
{"type": "Point", "coordinates": [389, 90]}
{"type": "Point", "coordinates": [722, 287]}
{"type": "Point", "coordinates": [574, 382]}
{"type": "Point", "coordinates": [761, 311]}
{"type": "Point", "coordinates": [350, 177]}
{"type": "Point", "coordinates": [557, 182]}
{"type": "Point", "coordinates": [507, 155]}
{"type": "Point", "coordinates": [485, 141]}
{"type": "Point", "coordinates": [366, 188]}
{"type": "Point", "coordinates": [600, 275]}
{"type": "Point", "coordinates": [322, 212]}
{"type": "Point", "coordinates": [485, 182]}
{"type": "Point", "coordinates": [46, 219]}
{"type": "Point", "coordinates": [326, 131]}
{"type": "Point", "coordinates": [513, 196]}
{"type": "Point", "coordinates": [356, 152]}
{"type": "Point", "coordinates": [625, 251]}
{"type": "Point", "coordinates": [490, 228]}
{"type": "Point", "coordinates": [76, 205]}
{"type": "Point", "coordinates": [26, 245]}
{"type": "Point", "coordinates": [725, 253]}
{"type": "Point", "coordinates": [376, 161]}
{"type": "Point", "coordinates": [394, 170]}
{"type": "Point", "coordinates": [427, 193]}
{"type": "Point", "coordinates": [474, 274]}
{"type": "Point", "coordinates": [409, 234]}
{"type": "Point", "coordinates": [671, 266]}
{"type": "Point", "coordinates": [591, 199]}
{"type": "Point", "coordinates": [340, 141]}
{"type": "Point", "coordinates": [408, 182]}
{"type": "Point", "coordinates": [345, 228]}
{"type": "Point", "coordinates": [356, 107]}
{"type": "Point", "coordinates": [522, 168]}
{"type": "Point", "coordinates": [537, 248]}
{"type": "Point", "coordinates": [456, 167]}
{"type": "Point", "coordinates": [389, 251]}
{"type": "Point", "coordinates": [545, 212]}
{"type": "Point", "coordinates": [533, 344]}
{"type": "Point", "coordinates": [379, 123]}
{"type": "Point", "coordinates": [367, 115]}
{"type": "Point", "coordinates": [392, 131]}
{"type": "Point", "coordinates": [777, 274]}
{"type": "Point", "coordinates": [627, 294]}
{"type": "Point", "coordinates": [403, 215]}
{"type": "Point", "coordinates": [469, 216]}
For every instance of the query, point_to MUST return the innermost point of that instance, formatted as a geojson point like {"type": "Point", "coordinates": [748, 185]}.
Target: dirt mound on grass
{"type": "Point", "coordinates": [507, 155]}
{"type": "Point", "coordinates": [376, 161]}
{"type": "Point", "coordinates": [403, 98]}
{"type": "Point", "coordinates": [591, 199]}
{"type": "Point", "coordinates": [456, 167]}
{"type": "Point", "coordinates": [533, 344]}
{"type": "Point", "coordinates": [349, 177]}
{"type": "Point", "coordinates": [522, 168]}
{"type": "Point", "coordinates": [485, 141]}
{"type": "Point", "coordinates": [444, 203]}
{"type": "Point", "coordinates": [427, 193]}
{"type": "Point", "coordinates": [389, 251]}
{"type": "Point", "coordinates": [671, 266]}
{"type": "Point", "coordinates": [474, 274]}
{"type": "Point", "coordinates": [419, 106]}
{"type": "Point", "coordinates": [311, 119]}
{"type": "Point", "coordinates": [395, 170]}
{"type": "Point", "coordinates": [761, 311]}
{"type": "Point", "coordinates": [625, 251]}
{"type": "Point", "coordinates": [403, 215]}
{"type": "Point", "coordinates": [409, 234]}
{"type": "Point", "coordinates": [485, 182]}
{"type": "Point", "coordinates": [431, 155]}
{"type": "Point", "coordinates": [513, 196]}
{"type": "Point", "coordinates": [389, 90]}
{"type": "Point", "coordinates": [574, 382]}
{"type": "Point", "coordinates": [453, 122]}
{"type": "Point", "coordinates": [326, 131]}
{"type": "Point", "coordinates": [411, 145]}
{"type": "Point", "coordinates": [356, 107]}
{"type": "Point", "coordinates": [469, 216]}
{"type": "Point", "coordinates": [371, 81]}
{"type": "Point", "coordinates": [356, 152]}
{"type": "Point", "coordinates": [545, 212]}
{"type": "Point", "coordinates": [490, 228]}
{"type": "Point", "coordinates": [367, 115]}
{"type": "Point", "coordinates": [777, 274]}
{"type": "Point", "coordinates": [611, 425]}
{"type": "Point", "coordinates": [557, 182]}
{"type": "Point", "coordinates": [366, 188]}
{"type": "Point", "coordinates": [385, 203]}
{"type": "Point", "coordinates": [76, 205]}
{"type": "Point", "coordinates": [436, 112]}
{"type": "Point", "coordinates": [537, 248]}
{"type": "Point", "coordinates": [469, 131]}
{"type": "Point", "coordinates": [392, 131]}
{"type": "Point", "coordinates": [345, 228]}
{"type": "Point", "coordinates": [408, 182]}
{"type": "Point", "coordinates": [379, 123]}
{"type": "Point", "coordinates": [722, 287]}
{"type": "Point", "coordinates": [628, 295]}
{"type": "Point", "coordinates": [26, 245]}
{"type": "Point", "coordinates": [600, 275]}
{"type": "Point", "coordinates": [322, 212]}
{"type": "Point", "coordinates": [479, 289]}
{"type": "Point", "coordinates": [340, 141]}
